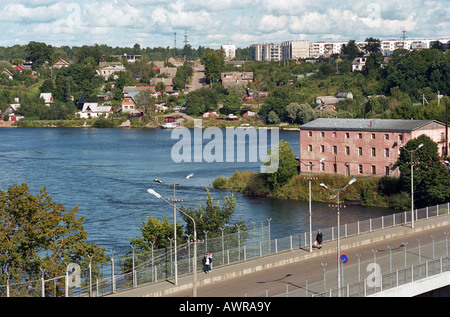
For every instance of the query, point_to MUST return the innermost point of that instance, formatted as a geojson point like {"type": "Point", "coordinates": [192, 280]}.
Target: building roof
{"type": "Point", "coordinates": [367, 124]}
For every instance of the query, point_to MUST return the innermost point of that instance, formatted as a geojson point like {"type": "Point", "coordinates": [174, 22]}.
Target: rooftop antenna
{"type": "Point", "coordinates": [404, 34]}
{"type": "Point", "coordinates": [174, 39]}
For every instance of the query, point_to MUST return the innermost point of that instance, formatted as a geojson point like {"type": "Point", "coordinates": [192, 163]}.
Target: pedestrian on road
{"type": "Point", "coordinates": [319, 240]}
{"type": "Point", "coordinates": [207, 261]}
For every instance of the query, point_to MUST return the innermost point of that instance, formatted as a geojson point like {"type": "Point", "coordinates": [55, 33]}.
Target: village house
{"type": "Point", "coordinates": [60, 64]}
{"type": "Point", "coordinates": [48, 98]}
{"type": "Point", "coordinates": [107, 71]}
{"type": "Point", "coordinates": [236, 78]}
{"type": "Point", "coordinates": [361, 146]}
{"type": "Point", "coordinates": [358, 63]}
{"type": "Point", "coordinates": [94, 110]}
{"type": "Point", "coordinates": [128, 103]}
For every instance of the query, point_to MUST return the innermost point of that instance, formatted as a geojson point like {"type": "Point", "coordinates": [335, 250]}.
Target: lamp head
{"type": "Point", "coordinates": [152, 192]}
{"type": "Point", "coordinates": [352, 181]}
{"type": "Point", "coordinates": [157, 180]}
{"type": "Point", "coordinates": [323, 185]}
{"type": "Point", "coordinates": [190, 175]}
{"type": "Point", "coordinates": [322, 159]}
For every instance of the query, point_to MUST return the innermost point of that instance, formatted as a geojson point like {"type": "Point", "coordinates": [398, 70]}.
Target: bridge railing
{"type": "Point", "coordinates": [152, 267]}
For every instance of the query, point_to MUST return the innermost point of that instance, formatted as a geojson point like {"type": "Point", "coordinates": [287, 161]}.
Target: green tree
{"type": "Point", "coordinates": [39, 53]}
{"type": "Point", "coordinates": [157, 232]}
{"type": "Point", "coordinates": [211, 217]}
{"type": "Point", "coordinates": [213, 65]}
{"type": "Point", "coordinates": [201, 100]}
{"type": "Point", "coordinates": [37, 233]}
{"type": "Point", "coordinates": [231, 104]}
{"type": "Point", "coordinates": [287, 167]}
{"type": "Point", "coordinates": [431, 177]}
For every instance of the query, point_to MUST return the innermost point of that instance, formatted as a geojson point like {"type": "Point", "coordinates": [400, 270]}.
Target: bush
{"type": "Point", "coordinates": [220, 182]}
{"type": "Point", "coordinates": [102, 123]}
{"type": "Point", "coordinates": [256, 186]}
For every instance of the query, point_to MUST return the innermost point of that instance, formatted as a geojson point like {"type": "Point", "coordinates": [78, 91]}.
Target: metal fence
{"type": "Point", "coordinates": [158, 265]}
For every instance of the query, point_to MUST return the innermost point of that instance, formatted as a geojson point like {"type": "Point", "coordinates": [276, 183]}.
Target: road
{"type": "Point", "coordinates": [199, 73]}
{"type": "Point", "coordinates": [274, 281]}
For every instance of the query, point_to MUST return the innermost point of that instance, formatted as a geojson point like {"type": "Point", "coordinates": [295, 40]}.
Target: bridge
{"type": "Point", "coordinates": [388, 259]}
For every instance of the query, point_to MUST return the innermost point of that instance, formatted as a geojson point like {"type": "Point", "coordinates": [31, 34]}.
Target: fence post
{"type": "Point", "coordinates": [358, 227]}
{"type": "Point", "coordinates": [245, 253]}
{"type": "Point", "coordinates": [290, 240]}
{"type": "Point", "coordinates": [276, 245]}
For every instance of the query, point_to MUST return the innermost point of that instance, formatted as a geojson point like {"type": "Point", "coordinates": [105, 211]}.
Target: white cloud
{"type": "Point", "coordinates": [209, 22]}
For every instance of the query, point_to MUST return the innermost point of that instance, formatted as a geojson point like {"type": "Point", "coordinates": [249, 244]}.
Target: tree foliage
{"type": "Point", "coordinates": [37, 233]}
{"type": "Point", "coordinates": [287, 167]}
{"type": "Point", "coordinates": [211, 217]}
{"type": "Point", "coordinates": [431, 177]}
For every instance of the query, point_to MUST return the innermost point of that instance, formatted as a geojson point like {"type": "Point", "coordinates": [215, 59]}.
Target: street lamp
{"type": "Point", "coordinates": [174, 201]}
{"type": "Point", "coordinates": [412, 181]}
{"type": "Point", "coordinates": [194, 284]}
{"type": "Point", "coordinates": [310, 164]}
{"type": "Point", "coordinates": [338, 191]}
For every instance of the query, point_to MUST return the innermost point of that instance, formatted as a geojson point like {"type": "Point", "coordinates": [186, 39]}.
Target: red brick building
{"type": "Point", "coordinates": [361, 146]}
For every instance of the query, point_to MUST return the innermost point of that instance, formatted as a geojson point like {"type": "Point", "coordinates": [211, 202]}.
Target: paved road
{"type": "Point", "coordinates": [272, 273]}
{"type": "Point", "coordinates": [199, 73]}
{"type": "Point", "coordinates": [294, 275]}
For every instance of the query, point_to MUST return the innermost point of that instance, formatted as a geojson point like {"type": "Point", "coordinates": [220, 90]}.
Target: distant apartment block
{"type": "Point", "coordinates": [265, 52]}
{"type": "Point", "coordinates": [303, 49]}
{"type": "Point", "coordinates": [294, 50]}
{"type": "Point", "coordinates": [230, 51]}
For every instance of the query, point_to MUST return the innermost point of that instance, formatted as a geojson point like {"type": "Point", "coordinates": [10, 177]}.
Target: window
{"type": "Point", "coordinates": [347, 170]}
{"type": "Point", "coordinates": [359, 135]}
{"type": "Point", "coordinates": [386, 152]}
{"type": "Point", "coordinates": [360, 169]}
{"type": "Point", "coordinates": [347, 150]}
{"type": "Point", "coordinates": [386, 170]}
{"type": "Point", "coordinates": [374, 170]}
{"type": "Point", "coordinates": [310, 147]}
{"type": "Point", "coordinates": [335, 168]}
{"type": "Point", "coordinates": [374, 152]}
{"type": "Point", "coordinates": [334, 134]}
{"type": "Point", "coordinates": [322, 148]}
{"type": "Point", "coordinates": [372, 136]}
{"type": "Point", "coordinates": [347, 135]}
{"type": "Point", "coordinates": [386, 136]}
{"type": "Point", "coordinates": [400, 137]}
{"type": "Point", "coordinates": [310, 165]}
{"type": "Point", "coordinates": [360, 151]}
{"type": "Point", "coordinates": [322, 134]}
{"type": "Point", "coordinates": [310, 134]}
{"type": "Point", "coordinates": [334, 149]}
{"type": "Point", "coordinates": [322, 167]}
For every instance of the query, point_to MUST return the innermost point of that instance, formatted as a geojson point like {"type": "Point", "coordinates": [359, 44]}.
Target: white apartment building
{"type": "Point", "coordinates": [230, 51]}
{"type": "Point", "coordinates": [303, 49]}
{"type": "Point", "coordinates": [294, 50]}
{"type": "Point", "coordinates": [265, 52]}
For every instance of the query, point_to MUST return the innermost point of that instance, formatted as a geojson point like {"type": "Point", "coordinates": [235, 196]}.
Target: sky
{"type": "Point", "coordinates": [211, 23]}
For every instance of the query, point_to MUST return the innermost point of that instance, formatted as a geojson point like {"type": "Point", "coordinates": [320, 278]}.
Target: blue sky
{"type": "Point", "coordinates": [210, 23]}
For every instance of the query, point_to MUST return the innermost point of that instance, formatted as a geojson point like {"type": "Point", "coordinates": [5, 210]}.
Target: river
{"type": "Point", "coordinates": [107, 172]}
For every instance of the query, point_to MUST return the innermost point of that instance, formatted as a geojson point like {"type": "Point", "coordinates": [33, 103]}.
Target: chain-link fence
{"type": "Point", "coordinates": [137, 269]}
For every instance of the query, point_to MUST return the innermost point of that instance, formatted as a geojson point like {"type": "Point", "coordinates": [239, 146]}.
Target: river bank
{"type": "Point", "coordinates": [143, 122]}
{"type": "Point", "coordinates": [367, 191]}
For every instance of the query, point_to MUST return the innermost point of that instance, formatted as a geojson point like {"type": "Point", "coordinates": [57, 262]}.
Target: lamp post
{"type": "Point", "coordinates": [194, 284]}
{"type": "Point", "coordinates": [309, 178]}
{"type": "Point", "coordinates": [174, 201]}
{"type": "Point", "coordinates": [412, 181]}
{"type": "Point", "coordinates": [338, 191]}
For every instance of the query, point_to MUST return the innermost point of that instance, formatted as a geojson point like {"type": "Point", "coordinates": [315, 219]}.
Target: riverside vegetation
{"type": "Point", "coordinates": [431, 179]}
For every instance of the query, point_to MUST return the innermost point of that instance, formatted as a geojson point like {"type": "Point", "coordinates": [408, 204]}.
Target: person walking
{"type": "Point", "coordinates": [207, 261]}
{"type": "Point", "coordinates": [319, 237]}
